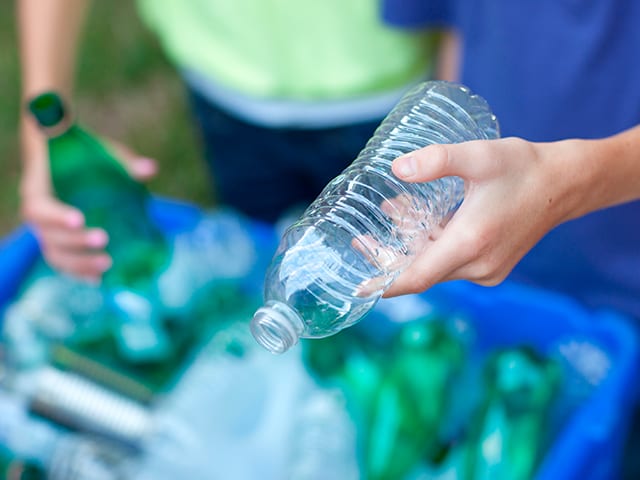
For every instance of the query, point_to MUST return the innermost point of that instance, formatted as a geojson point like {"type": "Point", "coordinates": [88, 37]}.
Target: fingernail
{"type": "Point", "coordinates": [144, 166]}
{"type": "Point", "coordinates": [74, 219]}
{"type": "Point", "coordinates": [97, 239]}
{"type": "Point", "coordinates": [405, 166]}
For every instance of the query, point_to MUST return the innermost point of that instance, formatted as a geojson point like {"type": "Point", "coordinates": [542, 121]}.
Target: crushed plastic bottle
{"type": "Point", "coordinates": [219, 248]}
{"type": "Point", "coordinates": [366, 226]}
{"type": "Point", "coordinates": [51, 308]}
{"type": "Point", "coordinates": [325, 436]}
{"type": "Point", "coordinates": [234, 399]}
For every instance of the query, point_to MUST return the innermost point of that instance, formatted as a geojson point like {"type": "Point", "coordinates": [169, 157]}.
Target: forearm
{"type": "Point", "coordinates": [48, 35]}
{"type": "Point", "coordinates": [448, 56]}
{"type": "Point", "coordinates": [607, 170]}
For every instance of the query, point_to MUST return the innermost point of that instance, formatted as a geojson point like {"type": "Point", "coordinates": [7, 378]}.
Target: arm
{"type": "Point", "coordinates": [527, 188]}
{"type": "Point", "coordinates": [48, 36]}
{"type": "Point", "coordinates": [448, 56]}
{"type": "Point", "coordinates": [49, 33]}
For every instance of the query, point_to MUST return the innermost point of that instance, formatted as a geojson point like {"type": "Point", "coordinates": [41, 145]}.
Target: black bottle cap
{"type": "Point", "coordinates": [47, 108]}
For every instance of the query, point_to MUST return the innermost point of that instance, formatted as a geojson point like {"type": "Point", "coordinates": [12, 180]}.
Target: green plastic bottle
{"type": "Point", "coordinates": [86, 174]}
{"type": "Point", "coordinates": [398, 392]}
{"type": "Point", "coordinates": [508, 438]}
{"type": "Point", "coordinates": [412, 400]}
{"type": "Point", "coordinates": [347, 361]}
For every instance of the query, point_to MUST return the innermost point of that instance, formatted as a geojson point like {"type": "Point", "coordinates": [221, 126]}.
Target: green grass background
{"type": "Point", "coordinates": [125, 90]}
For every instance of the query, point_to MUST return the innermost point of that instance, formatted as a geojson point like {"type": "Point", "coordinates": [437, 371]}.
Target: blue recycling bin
{"type": "Point", "coordinates": [589, 445]}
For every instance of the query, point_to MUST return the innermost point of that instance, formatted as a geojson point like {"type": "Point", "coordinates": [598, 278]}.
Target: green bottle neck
{"type": "Point", "coordinates": [59, 129]}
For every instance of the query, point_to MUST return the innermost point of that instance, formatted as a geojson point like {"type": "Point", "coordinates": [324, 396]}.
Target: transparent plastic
{"type": "Point", "coordinates": [366, 226]}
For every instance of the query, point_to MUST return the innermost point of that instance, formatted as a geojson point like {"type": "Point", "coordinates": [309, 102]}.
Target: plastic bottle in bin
{"type": "Point", "coordinates": [398, 393]}
{"type": "Point", "coordinates": [366, 226]}
{"type": "Point", "coordinates": [412, 401]}
{"type": "Point", "coordinates": [508, 438]}
{"type": "Point", "coordinates": [86, 174]}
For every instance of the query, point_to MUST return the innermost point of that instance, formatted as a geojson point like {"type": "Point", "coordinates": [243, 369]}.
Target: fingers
{"type": "Point", "coordinates": [488, 234]}
{"type": "Point", "coordinates": [460, 252]}
{"type": "Point", "coordinates": [447, 257]}
{"type": "Point", "coordinates": [65, 242]}
{"type": "Point", "coordinates": [467, 160]}
{"type": "Point", "coordinates": [434, 265]}
{"type": "Point", "coordinates": [46, 212]}
{"type": "Point", "coordinates": [76, 239]}
{"type": "Point", "coordinates": [88, 266]}
{"type": "Point", "coordinates": [139, 167]}
{"type": "Point", "coordinates": [79, 251]}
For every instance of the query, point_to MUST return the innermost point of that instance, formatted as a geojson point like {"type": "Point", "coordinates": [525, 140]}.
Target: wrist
{"type": "Point", "coordinates": [571, 176]}
{"type": "Point", "coordinates": [597, 173]}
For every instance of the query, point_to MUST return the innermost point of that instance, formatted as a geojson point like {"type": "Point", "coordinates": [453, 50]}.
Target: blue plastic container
{"type": "Point", "coordinates": [589, 445]}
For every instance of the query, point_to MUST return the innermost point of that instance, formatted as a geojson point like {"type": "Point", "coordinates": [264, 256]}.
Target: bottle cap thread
{"type": "Point", "coordinates": [277, 327]}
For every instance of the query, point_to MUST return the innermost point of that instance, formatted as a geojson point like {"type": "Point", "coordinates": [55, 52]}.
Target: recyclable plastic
{"type": "Point", "coordinates": [366, 226]}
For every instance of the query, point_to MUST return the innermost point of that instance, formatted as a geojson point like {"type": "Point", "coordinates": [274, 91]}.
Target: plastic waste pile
{"type": "Point", "coordinates": [406, 395]}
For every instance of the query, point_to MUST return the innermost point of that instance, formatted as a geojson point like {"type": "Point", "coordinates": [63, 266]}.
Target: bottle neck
{"type": "Point", "coordinates": [277, 327]}
{"type": "Point", "coordinates": [57, 130]}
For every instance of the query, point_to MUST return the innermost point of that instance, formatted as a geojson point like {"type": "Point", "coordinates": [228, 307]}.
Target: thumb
{"type": "Point", "coordinates": [435, 161]}
{"type": "Point", "coordinates": [138, 166]}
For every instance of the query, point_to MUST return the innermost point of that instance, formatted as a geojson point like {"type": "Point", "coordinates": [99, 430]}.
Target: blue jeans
{"type": "Point", "coordinates": [263, 172]}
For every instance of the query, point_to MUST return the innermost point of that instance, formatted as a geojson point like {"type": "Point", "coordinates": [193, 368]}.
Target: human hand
{"type": "Point", "coordinates": [66, 243]}
{"type": "Point", "coordinates": [515, 192]}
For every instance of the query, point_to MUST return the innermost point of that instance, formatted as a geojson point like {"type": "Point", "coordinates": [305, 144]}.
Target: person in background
{"type": "Point", "coordinates": [285, 95]}
{"type": "Point", "coordinates": [555, 203]}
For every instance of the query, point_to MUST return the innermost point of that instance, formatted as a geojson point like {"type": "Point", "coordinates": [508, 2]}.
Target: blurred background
{"type": "Point", "coordinates": [126, 90]}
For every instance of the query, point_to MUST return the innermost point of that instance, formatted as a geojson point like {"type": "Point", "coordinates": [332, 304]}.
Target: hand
{"type": "Point", "coordinates": [66, 243]}
{"type": "Point", "coordinates": [515, 192]}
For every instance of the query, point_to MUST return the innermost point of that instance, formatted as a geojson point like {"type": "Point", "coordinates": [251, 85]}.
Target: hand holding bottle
{"type": "Point", "coordinates": [366, 226]}
{"type": "Point", "coordinates": [515, 192]}
{"type": "Point", "coordinates": [67, 244]}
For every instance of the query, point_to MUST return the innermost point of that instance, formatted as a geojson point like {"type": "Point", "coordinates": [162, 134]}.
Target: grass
{"type": "Point", "coordinates": [125, 90]}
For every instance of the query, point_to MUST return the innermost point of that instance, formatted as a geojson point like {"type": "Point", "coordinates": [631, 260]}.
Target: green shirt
{"type": "Point", "coordinates": [289, 49]}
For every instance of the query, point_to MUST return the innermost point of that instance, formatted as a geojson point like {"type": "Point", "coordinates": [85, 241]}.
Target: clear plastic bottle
{"type": "Point", "coordinates": [366, 226]}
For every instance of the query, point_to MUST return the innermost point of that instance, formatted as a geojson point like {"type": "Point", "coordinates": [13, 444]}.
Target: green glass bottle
{"type": "Point", "coordinates": [412, 400]}
{"type": "Point", "coordinates": [86, 174]}
{"type": "Point", "coordinates": [508, 438]}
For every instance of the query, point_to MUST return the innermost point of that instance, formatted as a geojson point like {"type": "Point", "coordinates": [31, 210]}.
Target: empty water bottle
{"type": "Point", "coordinates": [366, 226]}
